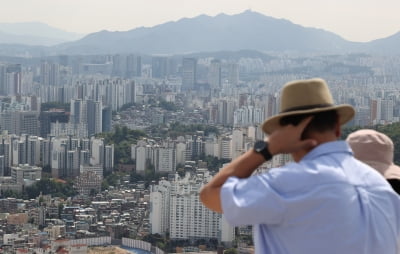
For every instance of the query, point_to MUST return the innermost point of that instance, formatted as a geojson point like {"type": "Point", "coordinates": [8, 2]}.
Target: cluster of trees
{"type": "Point", "coordinates": [126, 106]}
{"type": "Point", "coordinates": [169, 106]}
{"type": "Point", "coordinates": [213, 163]}
{"type": "Point", "coordinates": [160, 102]}
{"type": "Point", "coordinates": [110, 180]}
{"type": "Point", "coordinates": [179, 129]}
{"type": "Point", "coordinates": [49, 105]}
{"type": "Point", "coordinates": [149, 175]}
{"type": "Point", "coordinates": [56, 188]}
{"type": "Point", "coordinates": [166, 244]}
{"type": "Point", "coordinates": [122, 137]}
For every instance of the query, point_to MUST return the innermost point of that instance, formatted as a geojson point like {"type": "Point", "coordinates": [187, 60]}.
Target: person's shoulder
{"type": "Point", "coordinates": [292, 177]}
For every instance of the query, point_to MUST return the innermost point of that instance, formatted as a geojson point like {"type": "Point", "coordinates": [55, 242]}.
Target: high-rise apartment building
{"type": "Point", "coordinates": [49, 74]}
{"type": "Point", "coordinates": [237, 142]}
{"type": "Point", "coordinates": [189, 69]}
{"type": "Point", "coordinates": [97, 151]}
{"type": "Point", "coordinates": [68, 155]}
{"type": "Point", "coordinates": [33, 150]}
{"type": "Point", "coordinates": [109, 158]}
{"type": "Point", "coordinates": [139, 155]}
{"type": "Point", "coordinates": [19, 151]}
{"type": "Point", "coordinates": [21, 174]}
{"type": "Point", "coordinates": [385, 110]}
{"type": "Point", "coordinates": [2, 165]}
{"type": "Point", "coordinates": [3, 85]}
{"type": "Point", "coordinates": [225, 147]}
{"type": "Point", "coordinates": [133, 66]}
{"type": "Point", "coordinates": [106, 119]}
{"type": "Point", "coordinates": [89, 113]}
{"type": "Point", "coordinates": [211, 146]}
{"type": "Point", "coordinates": [180, 152]}
{"type": "Point", "coordinates": [164, 159]}
{"type": "Point", "coordinates": [10, 79]}
{"type": "Point", "coordinates": [373, 111]}
{"type": "Point", "coordinates": [159, 67]}
{"type": "Point", "coordinates": [271, 106]}
{"type": "Point", "coordinates": [232, 74]}
{"type": "Point", "coordinates": [159, 201]}
{"type": "Point", "coordinates": [226, 108]}
{"type": "Point", "coordinates": [48, 117]}
{"type": "Point", "coordinates": [118, 66]}
{"type": "Point", "coordinates": [175, 207]}
{"type": "Point", "coordinates": [215, 74]}
{"type": "Point", "coordinates": [20, 122]}
{"type": "Point", "coordinates": [94, 116]}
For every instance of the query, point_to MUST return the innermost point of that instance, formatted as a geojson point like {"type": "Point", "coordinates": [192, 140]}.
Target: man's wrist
{"type": "Point", "coordinates": [262, 147]}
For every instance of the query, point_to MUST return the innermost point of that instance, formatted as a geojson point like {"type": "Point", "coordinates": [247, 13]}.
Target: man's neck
{"type": "Point", "coordinates": [321, 138]}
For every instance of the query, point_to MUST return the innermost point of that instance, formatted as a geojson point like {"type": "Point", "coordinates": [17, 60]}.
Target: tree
{"type": "Point", "coordinates": [48, 105]}
{"type": "Point", "coordinates": [213, 163]}
{"type": "Point", "coordinates": [231, 251]}
{"type": "Point", "coordinates": [11, 194]}
{"type": "Point", "coordinates": [122, 137]}
{"type": "Point", "coordinates": [93, 192]}
{"type": "Point", "coordinates": [50, 186]}
{"type": "Point", "coordinates": [134, 177]}
{"type": "Point", "coordinates": [178, 129]}
{"type": "Point", "coordinates": [169, 106]}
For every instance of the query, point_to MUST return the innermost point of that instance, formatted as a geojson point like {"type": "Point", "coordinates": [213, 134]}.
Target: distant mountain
{"type": "Point", "coordinates": [248, 30]}
{"type": "Point", "coordinates": [388, 45]}
{"type": "Point", "coordinates": [245, 31]}
{"type": "Point", "coordinates": [34, 33]}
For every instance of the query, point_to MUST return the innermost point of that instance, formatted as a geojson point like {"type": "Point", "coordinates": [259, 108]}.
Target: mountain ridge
{"type": "Point", "coordinates": [34, 33]}
{"type": "Point", "coordinates": [248, 30]}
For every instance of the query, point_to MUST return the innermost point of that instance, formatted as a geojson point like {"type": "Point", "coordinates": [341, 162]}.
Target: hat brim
{"type": "Point", "coordinates": [346, 113]}
{"type": "Point", "coordinates": [389, 171]}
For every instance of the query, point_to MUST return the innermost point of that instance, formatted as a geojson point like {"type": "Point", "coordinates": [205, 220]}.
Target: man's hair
{"type": "Point", "coordinates": [321, 122]}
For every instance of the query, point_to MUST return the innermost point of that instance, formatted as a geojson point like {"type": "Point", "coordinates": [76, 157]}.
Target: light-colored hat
{"type": "Point", "coordinates": [375, 149]}
{"type": "Point", "coordinates": [304, 97]}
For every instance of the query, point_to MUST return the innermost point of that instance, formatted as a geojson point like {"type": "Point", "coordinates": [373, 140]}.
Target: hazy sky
{"type": "Point", "coordinates": [356, 20]}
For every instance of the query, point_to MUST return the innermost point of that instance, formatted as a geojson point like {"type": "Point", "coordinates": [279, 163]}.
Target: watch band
{"type": "Point", "coordinates": [261, 147]}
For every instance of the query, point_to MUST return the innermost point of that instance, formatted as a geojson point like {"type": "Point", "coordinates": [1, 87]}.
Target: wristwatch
{"type": "Point", "coordinates": [261, 147]}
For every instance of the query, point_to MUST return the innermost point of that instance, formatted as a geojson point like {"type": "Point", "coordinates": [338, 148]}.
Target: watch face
{"type": "Point", "coordinates": [259, 146]}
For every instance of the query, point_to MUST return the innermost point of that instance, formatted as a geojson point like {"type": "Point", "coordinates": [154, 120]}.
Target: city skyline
{"type": "Point", "coordinates": [353, 20]}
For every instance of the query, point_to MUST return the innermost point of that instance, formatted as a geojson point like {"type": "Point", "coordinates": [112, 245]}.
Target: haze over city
{"type": "Point", "coordinates": [353, 20]}
{"type": "Point", "coordinates": [107, 138]}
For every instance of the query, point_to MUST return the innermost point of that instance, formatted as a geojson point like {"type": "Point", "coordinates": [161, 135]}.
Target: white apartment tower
{"type": "Point", "coordinates": [188, 217]}
{"type": "Point", "coordinates": [225, 148]}
{"type": "Point", "coordinates": [180, 152]}
{"type": "Point", "coordinates": [164, 159]}
{"type": "Point", "coordinates": [385, 110]}
{"type": "Point", "coordinates": [159, 202]}
{"type": "Point", "coordinates": [237, 143]}
{"type": "Point", "coordinates": [140, 159]}
{"type": "Point", "coordinates": [97, 151]}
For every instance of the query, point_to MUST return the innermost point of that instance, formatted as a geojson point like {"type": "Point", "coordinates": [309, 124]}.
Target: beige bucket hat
{"type": "Point", "coordinates": [375, 149]}
{"type": "Point", "coordinates": [304, 97]}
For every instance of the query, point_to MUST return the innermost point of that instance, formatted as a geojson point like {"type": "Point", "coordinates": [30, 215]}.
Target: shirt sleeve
{"type": "Point", "coordinates": [251, 201]}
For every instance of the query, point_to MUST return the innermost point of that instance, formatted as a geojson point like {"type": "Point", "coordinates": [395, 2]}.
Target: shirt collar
{"type": "Point", "coordinates": [328, 148]}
